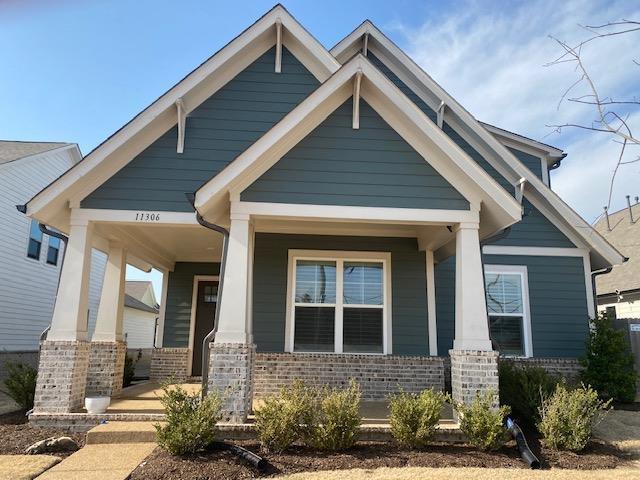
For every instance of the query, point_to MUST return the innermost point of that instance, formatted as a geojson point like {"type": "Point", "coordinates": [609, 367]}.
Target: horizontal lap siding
{"type": "Point", "coordinates": [409, 304]}
{"type": "Point", "coordinates": [372, 166]}
{"type": "Point", "coordinates": [558, 303]}
{"type": "Point", "coordinates": [534, 229]}
{"type": "Point", "coordinates": [179, 295]}
{"type": "Point", "coordinates": [217, 131]}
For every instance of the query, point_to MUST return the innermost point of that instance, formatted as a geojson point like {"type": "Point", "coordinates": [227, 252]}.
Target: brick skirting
{"type": "Point", "coordinates": [169, 364]}
{"type": "Point", "coordinates": [568, 368]}
{"type": "Point", "coordinates": [106, 368]}
{"type": "Point", "coordinates": [378, 375]}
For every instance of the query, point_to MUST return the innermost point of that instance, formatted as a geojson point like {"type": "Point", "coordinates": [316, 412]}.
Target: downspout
{"type": "Point", "coordinates": [602, 271]}
{"type": "Point", "coordinates": [223, 261]}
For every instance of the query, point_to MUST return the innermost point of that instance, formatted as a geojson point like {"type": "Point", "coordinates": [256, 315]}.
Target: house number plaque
{"type": "Point", "coordinates": [147, 217]}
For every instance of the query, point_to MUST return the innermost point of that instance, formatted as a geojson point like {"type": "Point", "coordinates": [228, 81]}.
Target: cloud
{"type": "Point", "coordinates": [492, 59]}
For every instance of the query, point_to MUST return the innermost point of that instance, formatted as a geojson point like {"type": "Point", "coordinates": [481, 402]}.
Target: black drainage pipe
{"type": "Point", "coordinates": [523, 447]}
{"type": "Point", "coordinates": [248, 456]}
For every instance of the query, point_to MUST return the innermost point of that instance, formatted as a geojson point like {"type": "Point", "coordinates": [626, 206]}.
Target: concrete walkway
{"type": "Point", "coordinates": [25, 467]}
{"type": "Point", "coordinates": [100, 462]}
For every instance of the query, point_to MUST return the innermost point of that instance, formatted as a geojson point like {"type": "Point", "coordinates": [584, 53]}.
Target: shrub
{"type": "Point", "coordinates": [608, 362]}
{"type": "Point", "coordinates": [413, 418]}
{"type": "Point", "coordinates": [279, 419]}
{"type": "Point", "coordinates": [481, 423]}
{"type": "Point", "coordinates": [20, 384]}
{"type": "Point", "coordinates": [334, 420]}
{"type": "Point", "coordinates": [191, 420]}
{"type": "Point", "coordinates": [568, 417]}
{"type": "Point", "coordinates": [524, 388]}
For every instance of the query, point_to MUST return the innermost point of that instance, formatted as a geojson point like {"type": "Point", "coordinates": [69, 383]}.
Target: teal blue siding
{"type": "Point", "coordinates": [558, 303]}
{"type": "Point", "coordinates": [217, 131]}
{"type": "Point", "coordinates": [372, 167]}
{"type": "Point", "coordinates": [409, 303]}
{"type": "Point", "coordinates": [532, 162]}
{"type": "Point", "coordinates": [179, 295]}
{"type": "Point", "coordinates": [534, 229]}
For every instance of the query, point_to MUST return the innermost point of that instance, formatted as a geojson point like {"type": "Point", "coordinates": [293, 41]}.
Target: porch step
{"type": "Point", "coordinates": [144, 432]}
{"type": "Point", "coordinates": [122, 432]}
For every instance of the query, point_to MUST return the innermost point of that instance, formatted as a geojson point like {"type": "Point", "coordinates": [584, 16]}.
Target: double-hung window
{"type": "Point", "coordinates": [338, 302]}
{"type": "Point", "coordinates": [507, 293]}
{"type": "Point", "coordinates": [53, 251]}
{"type": "Point", "coordinates": [35, 241]}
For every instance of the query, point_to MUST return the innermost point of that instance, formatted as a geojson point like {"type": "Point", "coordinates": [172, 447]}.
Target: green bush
{"type": "Point", "coordinates": [482, 424]}
{"type": "Point", "coordinates": [280, 417]}
{"type": "Point", "coordinates": [129, 369]}
{"type": "Point", "coordinates": [414, 417]}
{"type": "Point", "coordinates": [191, 420]}
{"type": "Point", "coordinates": [568, 417]}
{"type": "Point", "coordinates": [608, 362]}
{"type": "Point", "coordinates": [334, 420]}
{"type": "Point", "coordinates": [523, 389]}
{"type": "Point", "coordinates": [20, 384]}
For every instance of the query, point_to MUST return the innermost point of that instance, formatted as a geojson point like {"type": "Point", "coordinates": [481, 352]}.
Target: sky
{"type": "Point", "coordinates": [77, 70]}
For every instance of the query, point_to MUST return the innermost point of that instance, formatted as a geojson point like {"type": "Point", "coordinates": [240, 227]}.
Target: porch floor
{"type": "Point", "coordinates": [144, 398]}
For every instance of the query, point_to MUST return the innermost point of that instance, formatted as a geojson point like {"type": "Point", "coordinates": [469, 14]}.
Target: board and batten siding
{"type": "Point", "coordinates": [28, 286]}
{"type": "Point", "coordinates": [179, 296]}
{"type": "Point", "coordinates": [217, 131]}
{"type": "Point", "coordinates": [557, 298]}
{"type": "Point", "coordinates": [534, 229]}
{"type": "Point", "coordinates": [408, 284]}
{"type": "Point", "coordinates": [372, 166]}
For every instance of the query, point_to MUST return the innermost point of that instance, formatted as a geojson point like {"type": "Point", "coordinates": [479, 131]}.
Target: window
{"type": "Point", "coordinates": [53, 250]}
{"type": "Point", "coordinates": [210, 294]}
{"type": "Point", "coordinates": [508, 307]}
{"type": "Point", "coordinates": [338, 302]}
{"type": "Point", "coordinates": [35, 241]}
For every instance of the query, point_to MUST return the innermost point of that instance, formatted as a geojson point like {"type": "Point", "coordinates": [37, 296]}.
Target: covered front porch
{"type": "Point", "coordinates": [387, 344]}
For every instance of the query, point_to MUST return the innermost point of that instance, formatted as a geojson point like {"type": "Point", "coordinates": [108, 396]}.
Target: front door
{"type": "Point", "coordinates": [205, 314]}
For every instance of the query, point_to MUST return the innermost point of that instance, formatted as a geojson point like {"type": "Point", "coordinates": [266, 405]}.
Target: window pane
{"type": "Point", "coordinates": [363, 283]}
{"type": "Point", "coordinates": [34, 249]}
{"type": "Point", "coordinates": [362, 330]}
{"type": "Point", "coordinates": [315, 282]}
{"type": "Point", "coordinates": [504, 292]}
{"type": "Point", "coordinates": [507, 333]}
{"type": "Point", "coordinates": [210, 294]}
{"type": "Point", "coordinates": [314, 329]}
{"type": "Point", "coordinates": [35, 232]}
{"type": "Point", "coordinates": [52, 255]}
{"type": "Point", "coordinates": [54, 242]}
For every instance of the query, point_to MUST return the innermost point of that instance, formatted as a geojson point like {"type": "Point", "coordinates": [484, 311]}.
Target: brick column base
{"type": "Point", "coordinates": [472, 372]}
{"type": "Point", "coordinates": [230, 374]}
{"type": "Point", "coordinates": [62, 376]}
{"type": "Point", "coordinates": [106, 368]}
{"type": "Point", "coordinates": [169, 364]}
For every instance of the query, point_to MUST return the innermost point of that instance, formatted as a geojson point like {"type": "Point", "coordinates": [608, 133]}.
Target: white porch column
{"type": "Point", "coordinates": [109, 321]}
{"type": "Point", "coordinates": [232, 352]}
{"type": "Point", "coordinates": [108, 350]}
{"type": "Point", "coordinates": [474, 365]}
{"type": "Point", "coordinates": [233, 324]}
{"type": "Point", "coordinates": [64, 356]}
{"type": "Point", "coordinates": [69, 320]}
{"type": "Point", "coordinates": [472, 329]}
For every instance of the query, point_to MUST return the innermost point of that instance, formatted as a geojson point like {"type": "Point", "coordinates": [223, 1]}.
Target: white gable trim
{"type": "Point", "coordinates": [396, 109]}
{"type": "Point", "coordinates": [501, 159]}
{"type": "Point", "coordinates": [161, 115]}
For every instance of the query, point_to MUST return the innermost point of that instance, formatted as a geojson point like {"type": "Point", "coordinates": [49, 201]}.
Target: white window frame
{"type": "Point", "coordinates": [339, 257]}
{"type": "Point", "coordinates": [526, 310]}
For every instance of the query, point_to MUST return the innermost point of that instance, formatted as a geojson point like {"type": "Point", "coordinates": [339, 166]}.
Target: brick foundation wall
{"type": "Point", "coordinates": [62, 376]}
{"type": "Point", "coordinates": [169, 363]}
{"type": "Point", "coordinates": [230, 374]}
{"type": "Point", "coordinates": [106, 368]}
{"type": "Point", "coordinates": [568, 368]}
{"type": "Point", "coordinates": [378, 375]}
{"type": "Point", "coordinates": [473, 372]}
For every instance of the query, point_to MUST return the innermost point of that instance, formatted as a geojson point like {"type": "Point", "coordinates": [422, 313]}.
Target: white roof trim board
{"type": "Point", "coordinates": [53, 202]}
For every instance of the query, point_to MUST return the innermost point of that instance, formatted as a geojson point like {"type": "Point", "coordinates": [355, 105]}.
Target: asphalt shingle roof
{"type": "Point", "coordinates": [11, 150]}
{"type": "Point", "coordinates": [625, 236]}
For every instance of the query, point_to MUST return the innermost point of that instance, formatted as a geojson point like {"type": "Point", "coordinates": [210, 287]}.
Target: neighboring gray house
{"type": "Point", "coordinates": [619, 291]}
{"type": "Point", "coordinates": [377, 230]}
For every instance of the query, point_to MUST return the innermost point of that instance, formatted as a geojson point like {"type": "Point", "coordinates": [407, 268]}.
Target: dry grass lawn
{"type": "Point", "coordinates": [417, 473]}
{"type": "Point", "coordinates": [622, 429]}
{"type": "Point", "coordinates": [25, 467]}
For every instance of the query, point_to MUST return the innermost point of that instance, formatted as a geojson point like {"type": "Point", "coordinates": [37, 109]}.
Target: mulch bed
{"type": "Point", "coordinates": [16, 435]}
{"type": "Point", "coordinates": [223, 465]}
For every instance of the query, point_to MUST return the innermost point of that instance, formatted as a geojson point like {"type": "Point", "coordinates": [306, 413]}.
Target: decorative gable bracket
{"type": "Point", "coordinates": [182, 123]}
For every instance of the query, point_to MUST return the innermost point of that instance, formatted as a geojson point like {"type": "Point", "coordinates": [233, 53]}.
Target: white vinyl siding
{"type": "Point", "coordinates": [139, 327]}
{"type": "Point", "coordinates": [27, 286]}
